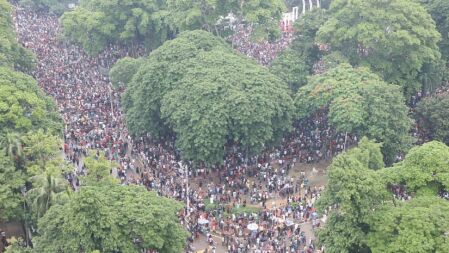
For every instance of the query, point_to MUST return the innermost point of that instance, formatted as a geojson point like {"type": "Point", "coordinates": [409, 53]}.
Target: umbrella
{"type": "Point", "coordinates": [202, 221]}
{"type": "Point", "coordinates": [252, 226]}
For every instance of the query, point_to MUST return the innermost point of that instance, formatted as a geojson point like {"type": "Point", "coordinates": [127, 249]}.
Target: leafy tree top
{"type": "Point", "coordinates": [54, 6]}
{"type": "Point", "coordinates": [353, 191]}
{"type": "Point", "coordinates": [394, 38]}
{"type": "Point", "coordinates": [95, 23]}
{"type": "Point", "coordinates": [123, 70]}
{"type": "Point", "coordinates": [295, 63]}
{"type": "Point", "coordinates": [98, 170]}
{"type": "Point", "coordinates": [12, 54]}
{"type": "Point", "coordinates": [11, 183]}
{"type": "Point", "coordinates": [322, 90]}
{"type": "Point", "coordinates": [425, 166]}
{"type": "Point", "coordinates": [209, 14]}
{"type": "Point", "coordinates": [359, 102]}
{"type": "Point", "coordinates": [353, 187]}
{"type": "Point", "coordinates": [23, 106]}
{"type": "Point", "coordinates": [209, 96]}
{"type": "Point", "coordinates": [112, 218]}
{"type": "Point", "coordinates": [420, 225]}
{"type": "Point", "coordinates": [363, 218]}
{"type": "Point", "coordinates": [434, 118]}
{"type": "Point", "coordinates": [439, 10]}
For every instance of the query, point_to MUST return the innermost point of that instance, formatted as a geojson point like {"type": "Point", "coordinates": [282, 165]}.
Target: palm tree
{"type": "Point", "coordinates": [47, 190]}
{"type": "Point", "coordinates": [12, 145]}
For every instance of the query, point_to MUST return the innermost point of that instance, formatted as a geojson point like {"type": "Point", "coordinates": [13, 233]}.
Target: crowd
{"type": "Point", "coordinates": [276, 202]}
{"type": "Point", "coordinates": [263, 52]}
{"type": "Point", "coordinates": [245, 191]}
{"type": "Point", "coordinates": [88, 105]}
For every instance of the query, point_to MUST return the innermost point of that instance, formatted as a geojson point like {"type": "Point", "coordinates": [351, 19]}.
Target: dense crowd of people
{"type": "Point", "coordinates": [86, 101]}
{"type": "Point", "coordinates": [263, 52]}
{"type": "Point", "coordinates": [239, 183]}
{"type": "Point", "coordinates": [276, 201]}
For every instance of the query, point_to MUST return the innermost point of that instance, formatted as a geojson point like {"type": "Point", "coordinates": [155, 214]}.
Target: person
{"type": "Point", "coordinates": [3, 242]}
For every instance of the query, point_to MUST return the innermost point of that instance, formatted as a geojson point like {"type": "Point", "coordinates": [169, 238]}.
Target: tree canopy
{"type": "Point", "coordinates": [439, 10]}
{"type": "Point", "coordinates": [12, 54]}
{"type": "Point", "coordinates": [208, 96]}
{"type": "Point", "coordinates": [363, 218]}
{"type": "Point", "coordinates": [352, 192]}
{"type": "Point", "coordinates": [54, 6]}
{"type": "Point", "coordinates": [25, 112]}
{"type": "Point", "coordinates": [420, 225]}
{"type": "Point", "coordinates": [112, 218]}
{"type": "Point", "coordinates": [295, 64]}
{"type": "Point", "coordinates": [360, 102]}
{"type": "Point", "coordinates": [11, 183]}
{"type": "Point", "coordinates": [23, 106]}
{"type": "Point", "coordinates": [98, 170]}
{"type": "Point", "coordinates": [96, 23]}
{"type": "Point", "coordinates": [433, 118]}
{"type": "Point", "coordinates": [123, 70]}
{"type": "Point", "coordinates": [394, 38]}
{"type": "Point", "coordinates": [48, 189]}
{"type": "Point", "coordinates": [425, 168]}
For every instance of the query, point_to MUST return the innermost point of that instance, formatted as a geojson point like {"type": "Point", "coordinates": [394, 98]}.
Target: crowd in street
{"type": "Point", "coordinates": [214, 206]}
{"type": "Point", "coordinates": [90, 108]}
{"type": "Point", "coordinates": [277, 201]}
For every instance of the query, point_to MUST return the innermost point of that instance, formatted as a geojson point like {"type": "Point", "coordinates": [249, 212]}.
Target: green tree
{"type": "Point", "coordinates": [47, 190]}
{"type": "Point", "coordinates": [43, 152]}
{"type": "Point", "coordinates": [425, 169]}
{"type": "Point", "coordinates": [95, 23]}
{"type": "Point", "coordinates": [433, 119]}
{"type": "Point", "coordinates": [331, 60]}
{"type": "Point", "coordinates": [394, 38]}
{"type": "Point", "coordinates": [359, 102]}
{"type": "Point", "coordinates": [209, 96]}
{"type": "Point", "coordinates": [112, 218]}
{"type": "Point", "coordinates": [54, 6]}
{"type": "Point", "coordinates": [12, 145]}
{"type": "Point", "coordinates": [292, 68]}
{"type": "Point", "coordinates": [12, 54]}
{"type": "Point", "coordinates": [88, 28]}
{"type": "Point", "coordinates": [98, 170]}
{"type": "Point", "coordinates": [369, 153]}
{"type": "Point", "coordinates": [439, 10]}
{"type": "Point", "coordinates": [295, 64]}
{"type": "Point", "coordinates": [18, 246]}
{"type": "Point", "coordinates": [353, 192]}
{"type": "Point", "coordinates": [24, 107]}
{"type": "Point", "coordinates": [263, 15]}
{"type": "Point", "coordinates": [122, 71]}
{"type": "Point", "coordinates": [158, 75]}
{"type": "Point", "coordinates": [197, 14]}
{"type": "Point", "coordinates": [420, 225]}
{"type": "Point", "coordinates": [364, 218]}
{"type": "Point", "coordinates": [11, 183]}
{"type": "Point", "coordinates": [207, 14]}
{"type": "Point", "coordinates": [433, 75]}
